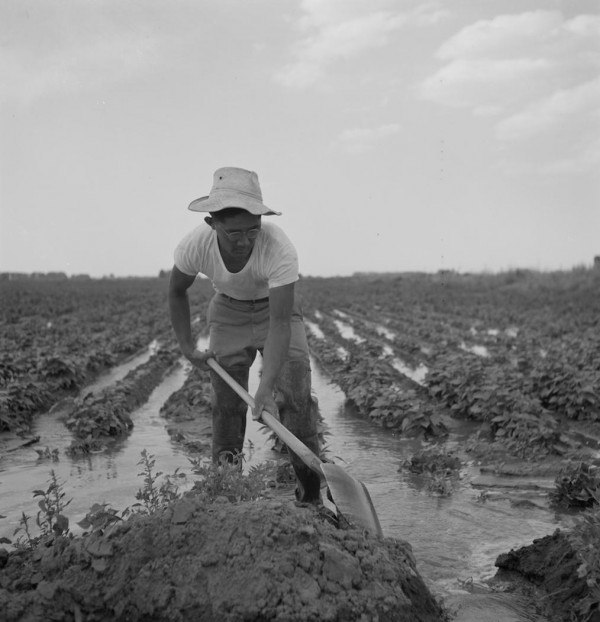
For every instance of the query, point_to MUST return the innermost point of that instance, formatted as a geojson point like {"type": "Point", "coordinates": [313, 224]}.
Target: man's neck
{"type": "Point", "coordinates": [234, 263]}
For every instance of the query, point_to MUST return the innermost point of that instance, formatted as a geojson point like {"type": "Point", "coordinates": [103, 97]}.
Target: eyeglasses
{"type": "Point", "coordinates": [236, 236]}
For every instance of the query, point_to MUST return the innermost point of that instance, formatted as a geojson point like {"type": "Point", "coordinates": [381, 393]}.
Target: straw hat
{"type": "Point", "coordinates": [233, 187]}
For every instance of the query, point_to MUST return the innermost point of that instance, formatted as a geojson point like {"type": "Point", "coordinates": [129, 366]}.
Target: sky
{"type": "Point", "coordinates": [394, 135]}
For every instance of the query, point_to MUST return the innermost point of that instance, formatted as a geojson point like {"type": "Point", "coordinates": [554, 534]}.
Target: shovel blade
{"type": "Point", "coordinates": [352, 498]}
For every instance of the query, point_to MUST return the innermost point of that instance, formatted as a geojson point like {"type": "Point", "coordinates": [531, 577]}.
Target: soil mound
{"type": "Point", "coordinates": [226, 562]}
{"type": "Point", "coordinates": [551, 564]}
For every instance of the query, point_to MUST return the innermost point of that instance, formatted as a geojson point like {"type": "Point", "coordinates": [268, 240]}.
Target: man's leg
{"type": "Point", "coordinates": [298, 412]}
{"type": "Point", "coordinates": [230, 340]}
{"type": "Point", "coordinates": [228, 416]}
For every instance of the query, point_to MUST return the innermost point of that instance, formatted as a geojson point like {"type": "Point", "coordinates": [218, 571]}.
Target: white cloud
{"type": "Point", "coordinates": [336, 41]}
{"type": "Point", "coordinates": [334, 30]}
{"type": "Point", "coordinates": [535, 72]}
{"type": "Point", "coordinates": [359, 140]}
{"type": "Point", "coordinates": [483, 83]}
{"type": "Point", "coordinates": [504, 35]}
{"type": "Point", "coordinates": [582, 101]}
{"type": "Point", "coordinates": [429, 13]}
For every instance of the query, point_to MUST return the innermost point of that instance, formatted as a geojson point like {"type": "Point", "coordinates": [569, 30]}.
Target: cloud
{"type": "Point", "coordinates": [504, 35]}
{"type": "Point", "coordinates": [513, 65]}
{"type": "Point", "coordinates": [484, 83]}
{"type": "Point", "coordinates": [359, 140]}
{"type": "Point", "coordinates": [582, 101]}
{"type": "Point", "coordinates": [335, 30]}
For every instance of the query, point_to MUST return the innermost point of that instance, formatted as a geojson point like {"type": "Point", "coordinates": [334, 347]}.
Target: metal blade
{"type": "Point", "coordinates": [352, 498]}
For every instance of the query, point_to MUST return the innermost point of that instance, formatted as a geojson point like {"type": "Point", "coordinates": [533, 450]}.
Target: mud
{"type": "Point", "coordinates": [550, 565]}
{"type": "Point", "coordinates": [262, 560]}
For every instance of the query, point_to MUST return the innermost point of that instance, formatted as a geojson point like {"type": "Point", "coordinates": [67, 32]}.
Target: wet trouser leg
{"type": "Point", "coordinates": [298, 413]}
{"type": "Point", "coordinates": [228, 416]}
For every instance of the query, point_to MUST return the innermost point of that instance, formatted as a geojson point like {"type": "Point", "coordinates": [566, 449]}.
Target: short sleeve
{"type": "Point", "coordinates": [285, 269]}
{"type": "Point", "coordinates": [187, 257]}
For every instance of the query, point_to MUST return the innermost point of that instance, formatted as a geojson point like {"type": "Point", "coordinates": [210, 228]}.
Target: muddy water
{"type": "Point", "coordinates": [104, 477]}
{"type": "Point", "coordinates": [455, 539]}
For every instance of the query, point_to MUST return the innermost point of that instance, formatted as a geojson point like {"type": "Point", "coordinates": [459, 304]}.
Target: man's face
{"type": "Point", "coordinates": [237, 234]}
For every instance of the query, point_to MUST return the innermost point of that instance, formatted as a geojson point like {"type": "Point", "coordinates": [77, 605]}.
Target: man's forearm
{"type": "Point", "coordinates": [179, 308]}
{"type": "Point", "coordinates": [275, 353]}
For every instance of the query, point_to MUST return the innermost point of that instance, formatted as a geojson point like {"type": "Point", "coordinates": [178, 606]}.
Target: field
{"type": "Point", "coordinates": [515, 357]}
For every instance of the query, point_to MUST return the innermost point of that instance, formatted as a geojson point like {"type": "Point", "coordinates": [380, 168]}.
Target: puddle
{"type": "Point", "coordinates": [347, 332]}
{"type": "Point", "coordinates": [120, 371]}
{"type": "Point", "coordinates": [385, 332]}
{"type": "Point", "coordinates": [314, 329]}
{"type": "Point", "coordinates": [417, 374]}
{"type": "Point", "coordinates": [476, 349]}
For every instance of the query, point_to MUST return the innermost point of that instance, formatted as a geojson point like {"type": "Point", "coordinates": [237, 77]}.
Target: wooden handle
{"type": "Point", "coordinates": [310, 459]}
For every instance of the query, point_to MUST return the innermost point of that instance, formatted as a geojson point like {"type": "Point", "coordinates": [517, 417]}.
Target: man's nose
{"type": "Point", "coordinates": [244, 241]}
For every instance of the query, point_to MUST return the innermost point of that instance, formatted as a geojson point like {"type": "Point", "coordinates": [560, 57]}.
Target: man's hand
{"type": "Point", "coordinates": [263, 400]}
{"type": "Point", "coordinates": [198, 359]}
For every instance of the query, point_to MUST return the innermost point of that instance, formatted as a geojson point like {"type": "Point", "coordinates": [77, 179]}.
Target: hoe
{"type": "Point", "coordinates": [350, 495]}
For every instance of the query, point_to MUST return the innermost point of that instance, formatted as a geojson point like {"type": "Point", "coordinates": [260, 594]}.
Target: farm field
{"type": "Point", "coordinates": [508, 364]}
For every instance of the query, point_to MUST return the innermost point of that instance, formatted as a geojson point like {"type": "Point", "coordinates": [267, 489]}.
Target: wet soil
{"type": "Point", "coordinates": [262, 560]}
{"type": "Point", "coordinates": [549, 567]}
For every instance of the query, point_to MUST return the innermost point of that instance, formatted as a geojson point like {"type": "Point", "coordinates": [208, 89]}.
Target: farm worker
{"type": "Point", "coordinates": [253, 267]}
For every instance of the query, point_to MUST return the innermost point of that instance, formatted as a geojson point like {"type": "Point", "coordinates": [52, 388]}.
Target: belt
{"type": "Point", "coordinates": [232, 299]}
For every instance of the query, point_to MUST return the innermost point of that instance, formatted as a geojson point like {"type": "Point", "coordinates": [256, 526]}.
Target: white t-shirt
{"type": "Point", "coordinates": [272, 263]}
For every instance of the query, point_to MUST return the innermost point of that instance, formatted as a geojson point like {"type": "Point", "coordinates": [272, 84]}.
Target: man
{"type": "Point", "coordinates": [253, 268]}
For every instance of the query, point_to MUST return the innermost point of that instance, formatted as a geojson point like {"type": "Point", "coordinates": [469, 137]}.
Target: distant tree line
{"type": "Point", "coordinates": [42, 276]}
{"type": "Point", "coordinates": [62, 276]}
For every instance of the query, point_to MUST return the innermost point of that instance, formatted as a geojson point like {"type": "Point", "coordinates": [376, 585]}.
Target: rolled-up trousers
{"type": "Point", "coordinates": [238, 330]}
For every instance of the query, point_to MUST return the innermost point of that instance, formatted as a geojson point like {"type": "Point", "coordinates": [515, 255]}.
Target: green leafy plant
{"type": "Point", "coordinates": [152, 496]}
{"type": "Point", "coordinates": [585, 539]}
{"type": "Point", "coordinates": [433, 460]}
{"type": "Point", "coordinates": [63, 373]}
{"type": "Point", "coordinates": [226, 480]}
{"type": "Point", "coordinates": [25, 539]}
{"type": "Point", "coordinates": [577, 486]}
{"type": "Point", "coordinates": [100, 517]}
{"type": "Point", "coordinates": [377, 390]}
{"type": "Point", "coordinates": [50, 517]}
{"type": "Point", "coordinates": [439, 468]}
{"type": "Point", "coordinates": [564, 388]}
{"type": "Point", "coordinates": [47, 454]}
{"type": "Point", "coordinates": [527, 434]}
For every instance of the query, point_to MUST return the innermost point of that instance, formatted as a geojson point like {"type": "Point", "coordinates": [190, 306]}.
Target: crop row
{"type": "Point", "coordinates": [372, 385]}
{"type": "Point", "coordinates": [520, 317]}
{"type": "Point", "coordinates": [521, 405]}
{"type": "Point", "coordinates": [98, 418]}
{"type": "Point", "coordinates": [56, 337]}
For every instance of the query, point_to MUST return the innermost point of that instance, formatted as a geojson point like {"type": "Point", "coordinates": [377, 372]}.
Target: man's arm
{"type": "Point", "coordinates": [281, 303]}
{"type": "Point", "coordinates": [179, 309]}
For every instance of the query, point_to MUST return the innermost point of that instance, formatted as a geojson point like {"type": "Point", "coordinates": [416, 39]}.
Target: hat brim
{"type": "Point", "coordinates": [223, 200]}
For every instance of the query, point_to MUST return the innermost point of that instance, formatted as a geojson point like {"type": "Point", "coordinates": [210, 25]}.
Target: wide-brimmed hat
{"type": "Point", "coordinates": [233, 187]}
